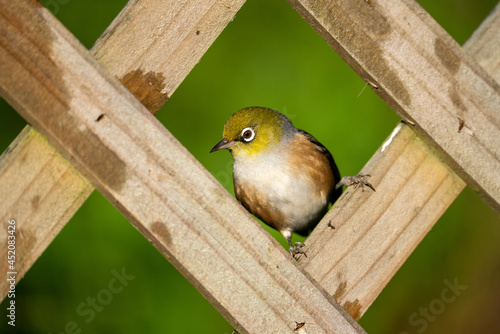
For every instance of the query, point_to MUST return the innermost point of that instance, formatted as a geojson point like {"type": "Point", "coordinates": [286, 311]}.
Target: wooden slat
{"type": "Point", "coordinates": [484, 44]}
{"type": "Point", "coordinates": [424, 75]}
{"type": "Point", "coordinates": [43, 201]}
{"type": "Point", "coordinates": [40, 167]}
{"type": "Point", "coordinates": [376, 232]}
{"type": "Point", "coordinates": [154, 181]}
{"type": "Point", "coordinates": [182, 30]}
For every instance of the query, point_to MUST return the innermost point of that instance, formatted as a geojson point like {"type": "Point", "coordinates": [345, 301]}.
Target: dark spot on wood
{"type": "Point", "coordinates": [299, 325]}
{"type": "Point", "coordinates": [160, 231]}
{"type": "Point", "coordinates": [197, 32]}
{"type": "Point", "coordinates": [32, 38]}
{"type": "Point", "coordinates": [101, 161]}
{"type": "Point", "coordinates": [446, 56]}
{"type": "Point", "coordinates": [353, 308]}
{"type": "Point", "coordinates": [147, 88]}
{"type": "Point", "coordinates": [84, 148]}
{"type": "Point", "coordinates": [456, 99]}
{"type": "Point", "coordinates": [461, 124]}
{"type": "Point", "coordinates": [87, 149]}
{"type": "Point", "coordinates": [376, 25]}
{"type": "Point", "coordinates": [35, 201]}
{"type": "Point", "coordinates": [44, 94]}
{"type": "Point", "coordinates": [99, 118]}
{"type": "Point", "coordinates": [341, 289]}
{"type": "Point", "coordinates": [24, 157]}
{"type": "Point", "coordinates": [365, 54]}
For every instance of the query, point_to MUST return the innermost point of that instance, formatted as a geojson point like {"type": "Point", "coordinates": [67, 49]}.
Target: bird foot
{"type": "Point", "coordinates": [297, 249]}
{"type": "Point", "coordinates": [359, 180]}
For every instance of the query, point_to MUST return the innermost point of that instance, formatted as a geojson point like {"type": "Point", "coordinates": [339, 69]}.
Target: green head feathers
{"type": "Point", "coordinates": [254, 130]}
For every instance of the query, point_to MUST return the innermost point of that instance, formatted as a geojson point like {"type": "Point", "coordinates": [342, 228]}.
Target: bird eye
{"type": "Point", "coordinates": [247, 134]}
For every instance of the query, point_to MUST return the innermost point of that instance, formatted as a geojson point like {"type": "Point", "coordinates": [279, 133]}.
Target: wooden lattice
{"type": "Point", "coordinates": [90, 131]}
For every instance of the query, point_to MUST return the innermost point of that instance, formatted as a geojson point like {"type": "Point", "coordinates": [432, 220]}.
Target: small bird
{"type": "Point", "coordinates": [282, 175]}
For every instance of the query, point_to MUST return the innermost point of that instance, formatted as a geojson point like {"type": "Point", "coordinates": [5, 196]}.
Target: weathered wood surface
{"type": "Point", "coordinates": [484, 44]}
{"type": "Point", "coordinates": [44, 191]}
{"type": "Point", "coordinates": [424, 75]}
{"type": "Point", "coordinates": [154, 181]}
{"type": "Point", "coordinates": [40, 209]}
{"type": "Point", "coordinates": [376, 232]}
{"type": "Point", "coordinates": [166, 39]}
{"type": "Point", "coordinates": [342, 291]}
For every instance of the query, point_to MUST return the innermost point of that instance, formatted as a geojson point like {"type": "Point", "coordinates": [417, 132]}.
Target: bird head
{"type": "Point", "coordinates": [253, 131]}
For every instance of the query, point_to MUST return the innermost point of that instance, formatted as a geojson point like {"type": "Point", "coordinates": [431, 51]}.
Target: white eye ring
{"type": "Point", "coordinates": [248, 134]}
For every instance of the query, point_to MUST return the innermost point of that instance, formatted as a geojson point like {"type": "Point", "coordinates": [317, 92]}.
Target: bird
{"type": "Point", "coordinates": [282, 175]}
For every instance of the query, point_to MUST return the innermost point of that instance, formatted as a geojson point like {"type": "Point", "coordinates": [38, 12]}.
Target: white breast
{"type": "Point", "coordinates": [292, 193]}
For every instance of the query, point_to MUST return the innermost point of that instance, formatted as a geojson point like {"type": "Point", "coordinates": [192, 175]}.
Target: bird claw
{"type": "Point", "coordinates": [297, 249]}
{"type": "Point", "coordinates": [357, 180]}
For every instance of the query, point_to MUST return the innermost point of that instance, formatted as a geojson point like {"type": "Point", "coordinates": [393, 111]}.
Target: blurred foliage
{"type": "Point", "coordinates": [267, 56]}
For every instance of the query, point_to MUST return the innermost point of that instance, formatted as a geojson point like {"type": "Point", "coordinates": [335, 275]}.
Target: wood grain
{"type": "Point", "coordinates": [484, 44]}
{"type": "Point", "coordinates": [376, 232]}
{"type": "Point", "coordinates": [147, 72]}
{"type": "Point", "coordinates": [166, 38]}
{"type": "Point", "coordinates": [154, 181]}
{"type": "Point", "coordinates": [39, 208]}
{"type": "Point", "coordinates": [343, 291]}
{"type": "Point", "coordinates": [424, 75]}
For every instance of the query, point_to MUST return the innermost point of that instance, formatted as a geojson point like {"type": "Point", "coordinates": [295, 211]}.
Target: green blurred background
{"type": "Point", "coordinates": [267, 56]}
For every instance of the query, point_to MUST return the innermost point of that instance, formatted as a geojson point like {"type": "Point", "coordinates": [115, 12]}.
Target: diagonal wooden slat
{"type": "Point", "coordinates": [168, 39]}
{"type": "Point", "coordinates": [154, 181]}
{"type": "Point", "coordinates": [424, 75]}
{"type": "Point", "coordinates": [376, 232]}
{"type": "Point", "coordinates": [484, 44]}
{"type": "Point", "coordinates": [41, 191]}
{"type": "Point", "coordinates": [39, 187]}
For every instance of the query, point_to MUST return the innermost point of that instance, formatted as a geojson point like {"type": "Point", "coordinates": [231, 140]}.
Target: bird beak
{"type": "Point", "coordinates": [224, 143]}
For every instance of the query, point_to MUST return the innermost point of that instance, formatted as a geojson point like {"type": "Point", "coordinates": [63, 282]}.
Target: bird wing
{"type": "Point", "coordinates": [335, 194]}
